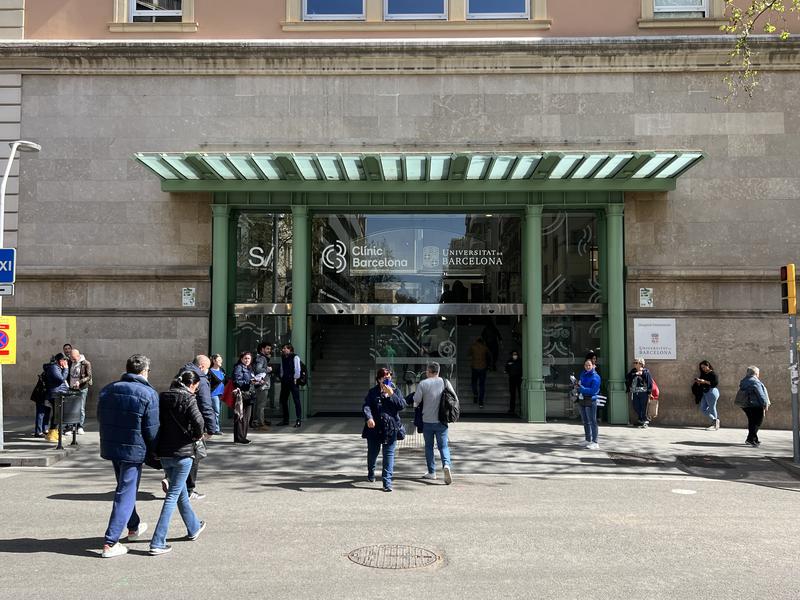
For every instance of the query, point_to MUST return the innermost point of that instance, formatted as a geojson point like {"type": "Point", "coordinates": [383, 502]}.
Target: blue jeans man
{"type": "Point", "coordinates": [177, 470]}
{"type": "Point", "coordinates": [374, 445]}
{"type": "Point", "coordinates": [479, 385]}
{"type": "Point", "coordinates": [431, 431]}
{"type": "Point", "coordinates": [123, 511]}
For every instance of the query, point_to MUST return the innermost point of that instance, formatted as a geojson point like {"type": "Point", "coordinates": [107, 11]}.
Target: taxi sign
{"type": "Point", "coordinates": [8, 340]}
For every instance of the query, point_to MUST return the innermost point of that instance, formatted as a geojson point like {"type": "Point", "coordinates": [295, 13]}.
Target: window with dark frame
{"type": "Point", "coordinates": [157, 11]}
{"type": "Point", "coordinates": [415, 9]}
{"type": "Point", "coordinates": [680, 9]}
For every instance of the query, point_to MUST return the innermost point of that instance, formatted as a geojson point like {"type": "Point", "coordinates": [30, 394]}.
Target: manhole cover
{"type": "Point", "coordinates": [633, 459]}
{"type": "Point", "coordinates": [393, 556]}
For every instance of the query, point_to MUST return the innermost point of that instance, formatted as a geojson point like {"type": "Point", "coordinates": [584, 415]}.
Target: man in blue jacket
{"type": "Point", "coordinates": [127, 412]}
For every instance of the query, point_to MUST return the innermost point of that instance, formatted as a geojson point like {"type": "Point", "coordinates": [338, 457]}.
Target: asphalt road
{"type": "Point", "coordinates": [529, 515]}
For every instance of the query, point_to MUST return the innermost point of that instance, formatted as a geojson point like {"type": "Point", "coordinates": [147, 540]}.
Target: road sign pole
{"type": "Point", "coordinates": [793, 374]}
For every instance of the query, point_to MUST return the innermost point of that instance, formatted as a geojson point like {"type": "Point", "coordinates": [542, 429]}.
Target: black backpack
{"type": "Point", "coordinates": [39, 393]}
{"type": "Point", "coordinates": [449, 408]}
{"type": "Point", "coordinates": [303, 379]}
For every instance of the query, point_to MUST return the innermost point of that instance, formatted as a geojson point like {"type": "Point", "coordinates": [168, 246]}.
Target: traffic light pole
{"type": "Point", "coordinates": [793, 374]}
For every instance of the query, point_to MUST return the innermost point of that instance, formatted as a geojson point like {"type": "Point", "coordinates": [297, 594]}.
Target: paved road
{"type": "Point", "coordinates": [662, 513]}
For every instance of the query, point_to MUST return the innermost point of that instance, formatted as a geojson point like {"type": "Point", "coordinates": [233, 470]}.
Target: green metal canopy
{"type": "Point", "coordinates": [241, 171]}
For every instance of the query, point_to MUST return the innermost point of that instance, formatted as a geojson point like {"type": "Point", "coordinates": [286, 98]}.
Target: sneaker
{"type": "Point", "coordinates": [756, 443]}
{"type": "Point", "coordinates": [593, 446]}
{"type": "Point", "coordinates": [711, 428]}
{"type": "Point", "coordinates": [429, 476]}
{"type": "Point", "coordinates": [157, 551]}
{"type": "Point", "coordinates": [81, 431]}
{"type": "Point", "coordinates": [371, 477]}
{"type": "Point", "coordinates": [38, 435]}
{"type": "Point", "coordinates": [387, 489]}
{"type": "Point", "coordinates": [448, 476]}
{"type": "Point", "coordinates": [646, 424]}
{"type": "Point", "coordinates": [134, 536]}
{"type": "Point", "coordinates": [165, 485]}
{"type": "Point", "coordinates": [115, 550]}
{"type": "Point", "coordinates": [297, 424]}
{"type": "Point", "coordinates": [199, 531]}
{"type": "Point", "coordinates": [195, 495]}
{"type": "Point", "coordinates": [716, 425]}
{"type": "Point", "coordinates": [586, 443]}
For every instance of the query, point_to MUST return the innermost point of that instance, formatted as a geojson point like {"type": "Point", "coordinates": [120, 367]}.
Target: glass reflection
{"type": "Point", "coordinates": [263, 258]}
{"type": "Point", "coordinates": [570, 258]}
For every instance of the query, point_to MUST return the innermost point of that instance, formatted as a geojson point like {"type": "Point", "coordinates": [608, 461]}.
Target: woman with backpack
{"type": "Point", "coordinates": [588, 388]}
{"type": "Point", "coordinates": [639, 384]}
{"type": "Point", "coordinates": [181, 425]}
{"type": "Point", "coordinates": [382, 425]}
{"type": "Point", "coordinates": [753, 399]}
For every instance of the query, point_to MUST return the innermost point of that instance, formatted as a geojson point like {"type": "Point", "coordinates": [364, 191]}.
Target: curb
{"type": "Point", "coordinates": [11, 458]}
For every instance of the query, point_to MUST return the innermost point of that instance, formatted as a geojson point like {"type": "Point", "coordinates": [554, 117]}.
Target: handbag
{"type": "Point", "coordinates": [200, 448]}
{"type": "Point", "coordinates": [401, 432]}
{"type": "Point", "coordinates": [742, 399]}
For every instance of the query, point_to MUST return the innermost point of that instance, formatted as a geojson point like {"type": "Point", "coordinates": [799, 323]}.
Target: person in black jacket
{"type": "Point", "coordinates": [639, 384]}
{"type": "Point", "coordinates": [181, 425]}
{"type": "Point", "coordinates": [514, 371]}
{"type": "Point", "coordinates": [382, 425]}
{"type": "Point", "coordinates": [707, 382]}
{"type": "Point", "coordinates": [243, 380]}
{"type": "Point", "coordinates": [200, 365]}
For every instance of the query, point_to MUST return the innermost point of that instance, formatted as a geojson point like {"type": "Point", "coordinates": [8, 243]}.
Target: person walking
{"type": "Point", "coordinates": [127, 415]}
{"type": "Point", "coordinates": [382, 425]}
{"type": "Point", "coordinates": [588, 387]}
{"type": "Point", "coordinates": [181, 426]}
{"type": "Point", "coordinates": [479, 362]}
{"type": "Point", "coordinates": [513, 369]}
{"type": "Point", "coordinates": [429, 395]}
{"type": "Point", "coordinates": [757, 403]}
{"type": "Point", "coordinates": [80, 378]}
{"type": "Point", "coordinates": [200, 366]}
{"type": "Point", "coordinates": [289, 374]}
{"type": "Point", "coordinates": [56, 376]}
{"type": "Point", "coordinates": [639, 384]}
{"type": "Point", "coordinates": [217, 378]}
{"type": "Point", "coordinates": [707, 382]}
{"type": "Point", "coordinates": [243, 380]}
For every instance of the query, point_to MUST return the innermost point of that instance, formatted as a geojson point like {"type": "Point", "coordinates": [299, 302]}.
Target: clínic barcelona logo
{"type": "Point", "coordinates": [334, 256]}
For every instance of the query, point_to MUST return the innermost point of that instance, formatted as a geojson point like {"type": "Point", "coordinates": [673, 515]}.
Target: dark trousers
{"type": "Point", "coordinates": [241, 424]}
{"type": "Point", "coordinates": [123, 511]}
{"type": "Point", "coordinates": [191, 479]}
{"type": "Point", "coordinates": [288, 387]}
{"type": "Point", "coordinates": [479, 385]}
{"type": "Point", "coordinates": [755, 416]}
{"type": "Point", "coordinates": [514, 391]}
{"type": "Point", "coordinates": [640, 405]}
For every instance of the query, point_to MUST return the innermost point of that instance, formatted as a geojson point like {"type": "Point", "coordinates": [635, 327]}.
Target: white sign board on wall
{"type": "Point", "coordinates": [655, 339]}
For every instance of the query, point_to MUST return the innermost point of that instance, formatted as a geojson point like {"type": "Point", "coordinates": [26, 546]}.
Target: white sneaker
{"type": "Point", "coordinates": [157, 551]}
{"type": "Point", "coordinates": [593, 446]}
{"type": "Point", "coordinates": [199, 531]}
{"type": "Point", "coordinates": [81, 431]}
{"type": "Point", "coordinates": [136, 535]}
{"type": "Point", "coordinates": [586, 443]}
{"type": "Point", "coordinates": [429, 476]}
{"type": "Point", "coordinates": [165, 485]}
{"type": "Point", "coordinates": [448, 476]}
{"type": "Point", "coordinates": [115, 550]}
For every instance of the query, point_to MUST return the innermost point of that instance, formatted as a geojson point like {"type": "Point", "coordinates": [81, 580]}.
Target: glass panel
{"type": "Point", "coordinates": [679, 4]}
{"type": "Point", "coordinates": [251, 329]}
{"type": "Point", "coordinates": [678, 164]}
{"type": "Point", "coordinates": [415, 9]}
{"type": "Point", "coordinates": [566, 341]}
{"type": "Point", "coordinates": [263, 258]}
{"type": "Point", "coordinates": [482, 9]}
{"type": "Point", "coordinates": [334, 9]}
{"type": "Point", "coordinates": [156, 11]}
{"type": "Point", "coordinates": [416, 258]}
{"type": "Point", "coordinates": [570, 258]}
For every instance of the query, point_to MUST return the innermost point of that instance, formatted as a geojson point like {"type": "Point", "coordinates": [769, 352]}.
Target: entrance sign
{"type": "Point", "coordinates": [8, 260]}
{"type": "Point", "coordinates": [655, 339]}
{"type": "Point", "coordinates": [8, 340]}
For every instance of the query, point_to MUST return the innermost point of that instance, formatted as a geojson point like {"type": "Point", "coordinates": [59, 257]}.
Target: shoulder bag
{"type": "Point", "coordinates": [200, 448]}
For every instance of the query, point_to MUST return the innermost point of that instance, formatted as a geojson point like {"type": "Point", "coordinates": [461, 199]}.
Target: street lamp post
{"type": "Point", "coordinates": [22, 146]}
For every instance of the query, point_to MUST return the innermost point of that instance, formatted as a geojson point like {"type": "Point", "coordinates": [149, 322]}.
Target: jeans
{"type": "Point", "coordinates": [709, 404]}
{"type": "Point", "coordinates": [123, 511]}
{"type": "Point", "coordinates": [177, 469]}
{"type": "Point", "coordinates": [215, 405]}
{"type": "Point", "coordinates": [589, 418]}
{"type": "Point", "coordinates": [42, 422]}
{"type": "Point", "coordinates": [439, 431]}
{"type": "Point", "coordinates": [640, 405]}
{"type": "Point", "coordinates": [373, 446]}
{"type": "Point", "coordinates": [479, 385]}
{"type": "Point", "coordinates": [755, 417]}
{"type": "Point", "coordinates": [84, 393]}
{"type": "Point", "coordinates": [286, 388]}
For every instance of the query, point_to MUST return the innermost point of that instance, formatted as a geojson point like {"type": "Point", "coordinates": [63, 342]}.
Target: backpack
{"type": "Point", "coordinates": [303, 379]}
{"type": "Point", "coordinates": [39, 393]}
{"type": "Point", "coordinates": [449, 408]}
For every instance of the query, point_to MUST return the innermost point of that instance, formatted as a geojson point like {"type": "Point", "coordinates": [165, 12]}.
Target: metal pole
{"type": "Point", "coordinates": [793, 375]}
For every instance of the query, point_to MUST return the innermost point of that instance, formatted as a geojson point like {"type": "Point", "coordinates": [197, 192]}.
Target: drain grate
{"type": "Point", "coordinates": [393, 556]}
{"type": "Point", "coordinates": [633, 459]}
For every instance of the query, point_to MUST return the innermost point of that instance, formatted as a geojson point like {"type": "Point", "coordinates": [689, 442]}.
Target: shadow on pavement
{"type": "Point", "coordinates": [707, 444]}
{"type": "Point", "coordinates": [84, 547]}
{"type": "Point", "coordinates": [760, 471]}
{"type": "Point", "coordinates": [101, 497]}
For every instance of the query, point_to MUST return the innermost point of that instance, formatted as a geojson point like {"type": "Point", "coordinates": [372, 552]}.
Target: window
{"type": "Point", "coordinates": [497, 9]}
{"type": "Point", "coordinates": [678, 9]}
{"type": "Point", "coordinates": [415, 9]}
{"type": "Point", "coordinates": [156, 11]}
{"type": "Point", "coordinates": [333, 10]}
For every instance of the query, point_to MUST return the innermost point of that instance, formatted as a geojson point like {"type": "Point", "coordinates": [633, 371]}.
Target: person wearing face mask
{"type": "Point", "coordinates": [513, 369]}
{"type": "Point", "coordinates": [382, 425]}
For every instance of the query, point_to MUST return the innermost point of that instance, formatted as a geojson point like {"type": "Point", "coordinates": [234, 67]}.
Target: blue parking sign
{"type": "Point", "coordinates": [8, 263]}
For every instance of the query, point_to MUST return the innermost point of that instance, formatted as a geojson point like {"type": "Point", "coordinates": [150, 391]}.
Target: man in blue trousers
{"type": "Point", "coordinates": [127, 411]}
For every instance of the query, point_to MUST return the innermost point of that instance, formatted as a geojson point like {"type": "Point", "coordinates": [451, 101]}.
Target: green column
{"type": "Point", "coordinates": [535, 408]}
{"type": "Point", "coordinates": [615, 263]}
{"type": "Point", "coordinates": [301, 266]}
{"type": "Point", "coordinates": [219, 278]}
